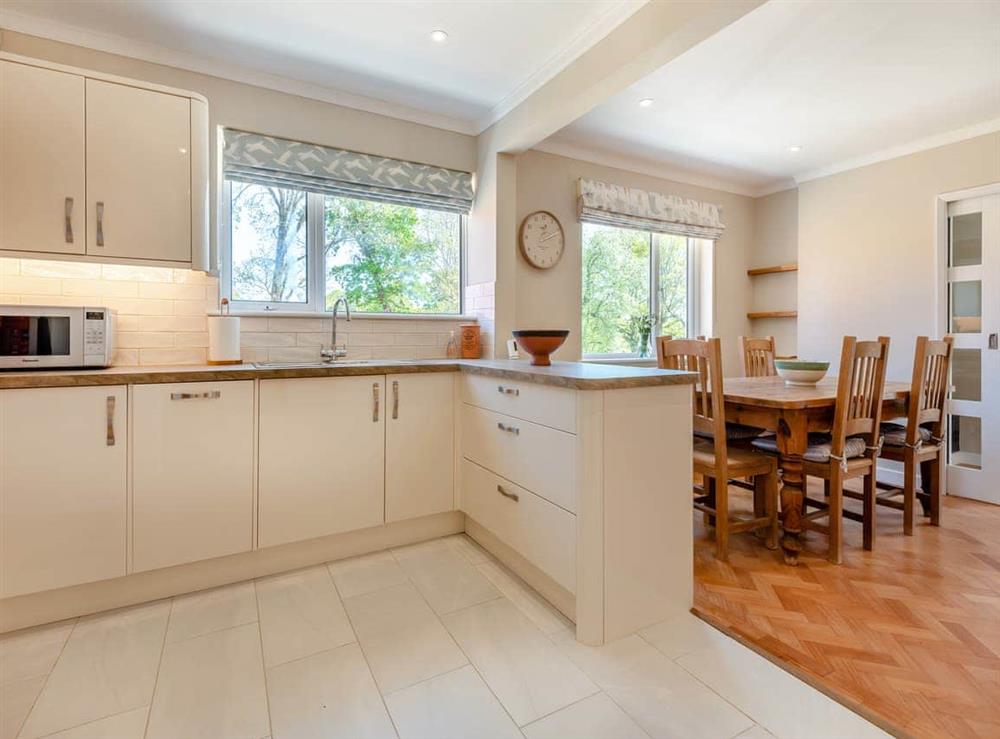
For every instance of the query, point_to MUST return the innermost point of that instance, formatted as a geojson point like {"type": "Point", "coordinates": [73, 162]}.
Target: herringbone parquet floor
{"type": "Point", "coordinates": [909, 634]}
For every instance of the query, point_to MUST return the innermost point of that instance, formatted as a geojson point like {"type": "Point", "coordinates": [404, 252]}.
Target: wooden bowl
{"type": "Point", "coordinates": [540, 344]}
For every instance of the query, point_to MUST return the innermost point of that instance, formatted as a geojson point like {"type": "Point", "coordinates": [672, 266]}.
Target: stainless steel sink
{"type": "Point", "coordinates": [338, 363]}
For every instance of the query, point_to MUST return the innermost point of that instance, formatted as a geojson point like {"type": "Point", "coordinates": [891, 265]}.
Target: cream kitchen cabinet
{"type": "Point", "coordinates": [42, 160]}
{"type": "Point", "coordinates": [63, 492]}
{"type": "Point", "coordinates": [101, 167]}
{"type": "Point", "coordinates": [192, 479]}
{"type": "Point", "coordinates": [419, 445]}
{"type": "Point", "coordinates": [321, 459]}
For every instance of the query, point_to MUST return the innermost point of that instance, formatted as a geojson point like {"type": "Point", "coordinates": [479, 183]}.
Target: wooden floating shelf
{"type": "Point", "coordinates": [773, 270]}
{"type": "Point", "coordinates": [774, 314]}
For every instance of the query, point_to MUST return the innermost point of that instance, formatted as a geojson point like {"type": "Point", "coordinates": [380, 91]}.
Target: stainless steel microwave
{"type": "Point", "coordinates": [43, 337]}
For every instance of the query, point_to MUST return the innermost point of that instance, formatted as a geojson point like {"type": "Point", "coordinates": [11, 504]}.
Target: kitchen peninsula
{"type": "Point", "coordinates": [576, 476]}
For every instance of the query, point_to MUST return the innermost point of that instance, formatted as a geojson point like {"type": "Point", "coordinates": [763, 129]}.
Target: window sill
{"type": "Point", "coordinates": [359, 316]}
{"type": "Point", "coordinates": [626, 361]}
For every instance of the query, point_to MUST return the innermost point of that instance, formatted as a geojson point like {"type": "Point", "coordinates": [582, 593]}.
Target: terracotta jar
{"type": "Point", "coordinates": [470, 340]}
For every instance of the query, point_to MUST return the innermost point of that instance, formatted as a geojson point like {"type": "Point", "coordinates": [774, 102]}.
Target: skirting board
{"type": "Point", "coordinates": [549, 589]}
{"type": "Point", "coordinates": [79, 600]}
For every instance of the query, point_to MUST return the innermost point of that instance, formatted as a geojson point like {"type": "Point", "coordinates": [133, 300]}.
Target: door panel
{"type": "Point", "coordinates": [420, 445]}
{"type": "Point", "coordinates": [62, 487]}
{"type": "Point", "coordinates": [139, 174]}
{"type": "Point", "coordinates": [42, 160]}
{"type": "Point", "coordinates": [192, 488]}
{"type": "Point", "coordinates": [322, 457]}
{"type": "Point", "coordinates": [973, 318]}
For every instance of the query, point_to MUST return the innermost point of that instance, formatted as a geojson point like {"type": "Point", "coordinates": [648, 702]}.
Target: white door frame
{"type": "Point", "coordinates": [941, 276]}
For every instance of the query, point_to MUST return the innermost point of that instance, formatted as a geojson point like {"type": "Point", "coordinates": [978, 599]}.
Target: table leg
{"type": "Point", "coordinates": [792, 498]}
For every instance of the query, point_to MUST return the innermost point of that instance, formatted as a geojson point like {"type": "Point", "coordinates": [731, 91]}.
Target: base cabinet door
{"type": "Point", "coordinates": [63, 492]}
{"type": "Point", "coordinates": [321, 460]}
{"type": "Point", "coordinates": [420, 445]}
{"type": "Point", "coordinates": [192, 472]}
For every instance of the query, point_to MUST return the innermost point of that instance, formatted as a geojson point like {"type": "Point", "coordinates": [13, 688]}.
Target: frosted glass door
{"type": "Point", "coordinates": [973, 318]}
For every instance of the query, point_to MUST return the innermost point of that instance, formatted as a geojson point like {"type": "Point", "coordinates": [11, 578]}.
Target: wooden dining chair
{"type": "Point", "coordinates": [758, 356]}
{"type": "Point", "coordinates": [715, 460]}
{"type": "Point", "coordinates": [921, 440]}
{"type": "Point", "coordinates": [851, 451]}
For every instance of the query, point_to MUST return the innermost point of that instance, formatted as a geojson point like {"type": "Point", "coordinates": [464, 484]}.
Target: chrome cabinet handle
{"type": "Point", "coordinates": [69, 220]}
{"type": "Point", "coordinates": [513, 496]}
{"type": "Point", "coordinates": [508, 390]}
{"type": "Point", "coordinates": [509, 429]}
{"type": "Point", "coordinates": [375, 404]}
{"type": "Point", "coordinates": [110, 431]}
{"type": "Point", "coordinates": [209, 395]}
{"type": "Point", "coordinates": [100, 223]}
{"type": "Point", "coordinates": [395, 398]}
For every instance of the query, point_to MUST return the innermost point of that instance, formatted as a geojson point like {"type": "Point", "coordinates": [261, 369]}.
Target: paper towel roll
{"type": "Point", "coordinates": [223, 340]}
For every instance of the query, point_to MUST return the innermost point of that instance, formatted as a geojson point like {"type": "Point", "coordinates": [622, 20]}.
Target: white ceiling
{"type": "Point", "coordinates": [851, 82]}
{"type": "Point", "coordinates": [497, 53]}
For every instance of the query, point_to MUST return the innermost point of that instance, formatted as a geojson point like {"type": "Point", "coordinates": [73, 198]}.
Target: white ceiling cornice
{"type": "Point", "coordinates": [114, 44]}
{"type": "Point", "coordinates": [587, 37]}
{"type": "Point", "coordinates": [913, 147]}
{"type": "Point", "coordinates": [656, 169]}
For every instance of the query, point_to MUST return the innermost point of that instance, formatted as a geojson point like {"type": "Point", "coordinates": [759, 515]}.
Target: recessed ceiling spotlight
{"type": "Point", "coordinates": [645, 102]}
{"type": "Point", "coordinates": [438, 36]}
{"type": "Point", "coordinates": [795, 148]}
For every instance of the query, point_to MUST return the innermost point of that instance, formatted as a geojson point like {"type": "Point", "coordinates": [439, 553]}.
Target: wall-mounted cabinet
{"type": "Point", "coordinates": [101, 168]}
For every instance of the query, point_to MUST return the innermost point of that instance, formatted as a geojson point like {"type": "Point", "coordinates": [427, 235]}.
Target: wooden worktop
{"type": "Point", "coordinates": [574, 375]}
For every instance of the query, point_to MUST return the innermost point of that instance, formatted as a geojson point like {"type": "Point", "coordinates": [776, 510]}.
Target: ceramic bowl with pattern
{"type": "Point", "coordinates": [801, 372]}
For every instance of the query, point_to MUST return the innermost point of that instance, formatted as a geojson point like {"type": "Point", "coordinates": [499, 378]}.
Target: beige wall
{"type": "Point", "coordinates": [867, 248]}
{"type": "Point", "coordinates": [775, 241]}
{"type": "Point", "coordinates": [552, 298]}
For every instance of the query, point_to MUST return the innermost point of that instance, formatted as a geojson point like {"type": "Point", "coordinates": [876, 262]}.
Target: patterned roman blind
{"type": "Point", "coordinates": [627, 207]}
{"type": "Point", "coordinates": [266, 160]}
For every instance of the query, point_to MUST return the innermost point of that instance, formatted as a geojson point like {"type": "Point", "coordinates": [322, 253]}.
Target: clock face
{"type": "Point", "coordinates": [542, 239]}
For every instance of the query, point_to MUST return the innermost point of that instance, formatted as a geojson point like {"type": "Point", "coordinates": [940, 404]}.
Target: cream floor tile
{"type": "Point", "coordinates": [360, 575]}
{"type": "Point", "coordinates": [456, 705]}
{"type": "Point", "coordinates": [528, 602]}
{"type": "Point", "coordinates": [522, 667]}
{"type": "Point", "coordinates": [682, 635]}
{"type": "Point", "coordinates": [331, 695]}
{"type": "Point", "coordinates": [757, 732]}
{"type": "Point", "coordinates": [16, 699]}
{"type": "Point", "coordinates": [108, 666]}
{"type": "Point", "coordinates": [401, 636]}
{"type": "Point", "coordinates": [301, 614]}
{"type": "Point", "coordinates": [210, 687]}
{"type": "Point", "coordinates": [775, 699]}
{"type": "Point", "coordinates": [596, 717]}
{"type": "Point", "coordinates": [661, 697]}
{"type": "Point", "coordinates": [212, 610]}
{"type": "Point", "coordinates": [32, 652]}
{"type": "Point", "coordinates": [469, 549]}
{"type": "Point", "coordinates": [444, 576]}
{"type": "Point", "coordinates": [128, 725]}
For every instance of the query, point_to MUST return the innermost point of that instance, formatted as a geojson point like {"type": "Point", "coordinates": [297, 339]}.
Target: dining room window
{"type": "Point", "coordinates": [638, 285]}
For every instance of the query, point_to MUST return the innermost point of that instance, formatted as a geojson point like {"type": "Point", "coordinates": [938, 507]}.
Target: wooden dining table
{"type": "Point", "coordinates": [792, 413]}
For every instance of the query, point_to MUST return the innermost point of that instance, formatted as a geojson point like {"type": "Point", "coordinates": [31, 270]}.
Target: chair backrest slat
{"type": "Point", "coordinates": [929, 386]}
{"type": "Point", "coordinates": [758, 356]}
{"type": "Point", "coordinates": [859, 391]}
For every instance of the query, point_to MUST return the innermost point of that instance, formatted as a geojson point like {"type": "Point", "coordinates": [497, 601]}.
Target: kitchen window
{"type": "Point", "coordinates": [638, 285]}
{"type": "Point", "coordinates": [292, 250]}
{"type": "Point", "coordinates": [305, 224]}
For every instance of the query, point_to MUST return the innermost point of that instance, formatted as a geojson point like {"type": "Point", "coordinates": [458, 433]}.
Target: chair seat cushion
{"type": "Point", "coordinates": [894, 434]}
{"type": "Point", "coordinates": [735, 432]}
{"type": "Point", "coordinates": [819, 447]}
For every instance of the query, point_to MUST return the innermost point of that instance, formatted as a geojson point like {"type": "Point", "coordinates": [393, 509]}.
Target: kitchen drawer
{"type": "Point", "coordinates": [541, 532]}
{"type": "Point", "coordinates": [548, 406]}
{"type": "Point", "coordinates": [539, 458]}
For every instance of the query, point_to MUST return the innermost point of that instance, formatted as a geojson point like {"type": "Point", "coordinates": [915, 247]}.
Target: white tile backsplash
{"type": "Point", "coordinates": [162, 315]}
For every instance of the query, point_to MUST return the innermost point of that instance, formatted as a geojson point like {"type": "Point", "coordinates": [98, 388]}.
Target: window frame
{"type": "Point", "coordinates": [695, 292]}
{"type": "Point", "coordinates": [315, 265]}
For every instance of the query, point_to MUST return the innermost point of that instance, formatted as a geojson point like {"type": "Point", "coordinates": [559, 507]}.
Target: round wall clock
{"type": "Point", "coordinates": [542, 239]}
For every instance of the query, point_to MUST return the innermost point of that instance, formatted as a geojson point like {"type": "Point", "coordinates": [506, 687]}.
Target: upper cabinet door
{"type": "Point", "coordinates": [138, 173]}
{"type": "Point", "coordinates": [42, 160]}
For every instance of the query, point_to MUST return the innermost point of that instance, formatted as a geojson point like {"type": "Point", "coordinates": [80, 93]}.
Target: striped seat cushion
{"type": "Point", "coordinates": [894, 434]}
{"type": "Point", "coordinates": [819, 447]}
{"type": "Point", "coordinates": [734, 432]}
